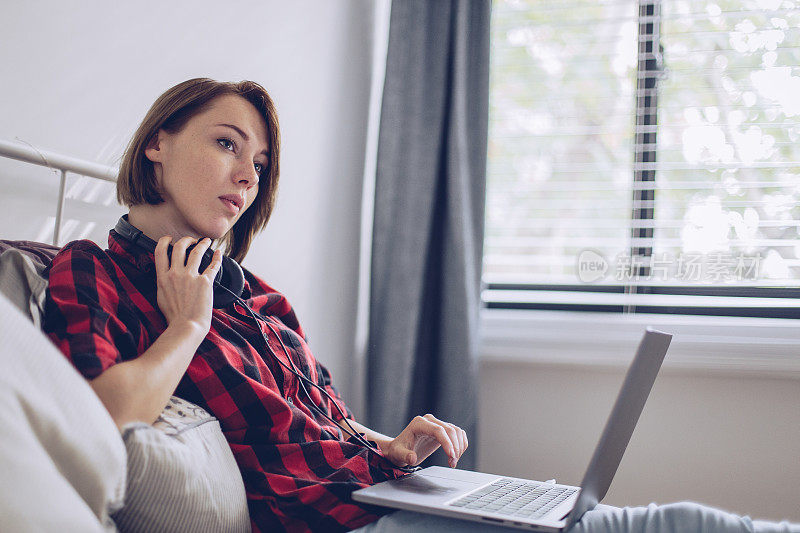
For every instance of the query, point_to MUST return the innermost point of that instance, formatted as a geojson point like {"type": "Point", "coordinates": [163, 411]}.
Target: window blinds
{"type": "Point", "coordinates": [644, 156]}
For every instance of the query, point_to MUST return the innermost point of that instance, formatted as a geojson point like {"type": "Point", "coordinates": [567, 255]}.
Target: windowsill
{"type": "Point", "coordinates": [758, 346]}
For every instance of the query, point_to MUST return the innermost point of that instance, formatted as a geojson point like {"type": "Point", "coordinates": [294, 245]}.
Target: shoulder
{"type": "Point", "coordinates": [269, 301]}
{"type": "Point", "coordinates": [257, 285]}
{"type": "Point", "coordinates": [78, 262]}
{"type": "Point", "coordinates": [76, 250]}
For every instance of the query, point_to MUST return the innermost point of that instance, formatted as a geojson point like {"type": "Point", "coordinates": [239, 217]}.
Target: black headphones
{"type": "Point", "coordinates": [229, 282]}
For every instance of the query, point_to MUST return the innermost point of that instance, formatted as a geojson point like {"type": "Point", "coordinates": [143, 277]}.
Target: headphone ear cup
{"type": "Point", "coordinates": [228, 284]}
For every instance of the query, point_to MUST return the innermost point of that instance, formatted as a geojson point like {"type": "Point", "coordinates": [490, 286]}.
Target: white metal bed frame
{"type": "Point", "coordinates": [63, 163]}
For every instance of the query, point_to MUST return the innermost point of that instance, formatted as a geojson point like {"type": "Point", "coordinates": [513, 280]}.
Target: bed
{"type": "Point", "coordinates": [66, 466]}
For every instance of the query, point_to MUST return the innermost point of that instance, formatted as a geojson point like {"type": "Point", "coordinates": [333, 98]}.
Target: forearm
{"type": "Point", "coordinates": [370, 434]}
{"type": "Point", "coordinates": [138, 390]}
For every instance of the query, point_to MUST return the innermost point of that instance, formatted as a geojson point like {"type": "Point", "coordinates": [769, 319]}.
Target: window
{"type": "Point", "coordinates": [644, 157]}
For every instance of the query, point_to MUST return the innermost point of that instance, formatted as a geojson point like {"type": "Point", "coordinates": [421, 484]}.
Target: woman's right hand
{"type": "Point", "coordinates": [185, 295]}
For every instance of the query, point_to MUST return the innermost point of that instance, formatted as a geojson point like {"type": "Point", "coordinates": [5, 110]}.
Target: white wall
{"type": "Point", "coordinates": [729, 440]}
{"type": "Point", "coordinates": [78, 78]}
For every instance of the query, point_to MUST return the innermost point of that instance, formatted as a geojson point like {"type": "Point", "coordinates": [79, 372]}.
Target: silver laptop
{"type": "Point", "coordinates": [532, 505]}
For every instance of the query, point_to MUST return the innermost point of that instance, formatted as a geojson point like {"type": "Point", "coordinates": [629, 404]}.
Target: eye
{"type": "Point", "coordinates": [222, 142]}
{"type": "Point", "coordinates": [259, 168]}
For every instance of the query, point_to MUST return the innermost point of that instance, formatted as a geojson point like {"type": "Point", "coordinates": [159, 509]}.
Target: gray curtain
{"type": "Point", "coordinates": [428, 223]}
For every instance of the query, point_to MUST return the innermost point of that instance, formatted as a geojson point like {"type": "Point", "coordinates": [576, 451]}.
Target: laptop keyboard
{"type": "Point", "coordinates": [512, 497]}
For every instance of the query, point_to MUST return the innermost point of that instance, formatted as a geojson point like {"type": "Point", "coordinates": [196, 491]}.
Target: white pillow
{"type": "Point", "coordinates": [182, 475]}
{"type": "Point", "coordinates": [62, 458]}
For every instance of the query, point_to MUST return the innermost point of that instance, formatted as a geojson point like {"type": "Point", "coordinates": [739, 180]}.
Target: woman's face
{"type": "Point", "coordinates": [209, 171]}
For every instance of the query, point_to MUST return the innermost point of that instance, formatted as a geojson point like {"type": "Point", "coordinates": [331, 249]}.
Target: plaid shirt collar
{"type": "Point", "coordinates": [144, 259]}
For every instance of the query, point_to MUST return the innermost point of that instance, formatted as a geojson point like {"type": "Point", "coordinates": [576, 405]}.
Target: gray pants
{"type": "Point", "coordinates": [672, 518]}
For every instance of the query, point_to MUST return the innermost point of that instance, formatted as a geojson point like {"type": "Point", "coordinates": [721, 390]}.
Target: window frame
{"type": "Point", "coordinates": [649, 70]}
{"type": "Point", "coordinates": [701, 344]}
{"type": "Point", "coordinates": [752, 340]}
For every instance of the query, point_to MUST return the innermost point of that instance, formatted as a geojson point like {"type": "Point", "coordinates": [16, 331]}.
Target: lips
{"type": "Point", "coordinates": [234, 200]}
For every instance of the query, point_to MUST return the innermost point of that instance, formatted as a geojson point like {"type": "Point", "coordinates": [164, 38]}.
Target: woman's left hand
{"type": "Point", "coordinates": [422, 437]}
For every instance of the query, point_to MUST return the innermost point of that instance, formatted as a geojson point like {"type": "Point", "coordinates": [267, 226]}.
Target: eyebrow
{"type": "Point", "coordinates": [242, 133]}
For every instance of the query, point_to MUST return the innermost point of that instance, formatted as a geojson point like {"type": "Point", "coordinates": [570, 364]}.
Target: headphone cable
{"type": "Point", "coordinates": [304, 379]}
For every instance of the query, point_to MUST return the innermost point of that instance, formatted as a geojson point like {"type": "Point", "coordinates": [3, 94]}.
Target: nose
{"type": "Point", "coordinates": [246, 174]}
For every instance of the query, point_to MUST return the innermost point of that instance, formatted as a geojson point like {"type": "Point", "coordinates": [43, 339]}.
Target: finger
{"type": "Point", "coordinates": [213, 267]}
{"type": "Point", "coordinates": [458, 439]}
{"type": "Point", "coordinates": [461, 438]}
{"type": "Point", "coordinates": [162, 259]}
{"type": "Point", "coordinates": [411, 458]}
{"type": "Point", "coordinates": [399, 454]}
{"type": "Point", "coordinates": [404, 457]}
{"type": "Point", "coordinates": [452, 432]}
{"type": "Point", "coordinates": [179, 252]}
{"type": "Point", "coordinates": [195, 256]}
{"type": "Point", "coordinates": [435, 428]}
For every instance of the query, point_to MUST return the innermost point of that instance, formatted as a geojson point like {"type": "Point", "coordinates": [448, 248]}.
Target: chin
{"type": "Point", "coordinates": [215, 231]}
{"type": "Point", "coordinates": [218, 234]}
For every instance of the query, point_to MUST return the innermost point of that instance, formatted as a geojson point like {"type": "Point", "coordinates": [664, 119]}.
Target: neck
{"type": "Point", "coordinates": [155, 222]}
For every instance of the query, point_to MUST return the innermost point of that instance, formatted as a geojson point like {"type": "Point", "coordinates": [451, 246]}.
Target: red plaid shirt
{"type": "Point", "coordinates": [298, 470]}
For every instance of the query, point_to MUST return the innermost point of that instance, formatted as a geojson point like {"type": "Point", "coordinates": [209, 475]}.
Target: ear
{"type": "Point", "coordinates": [155, 148]}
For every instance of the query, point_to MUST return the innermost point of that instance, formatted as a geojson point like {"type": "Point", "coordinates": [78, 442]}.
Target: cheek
{"type": "Point", "coordinates": [197, 178]}
{"type": "Point", "coordinates": [183, 179]}
{"type": "Point", "coordinates": [180, 189]}
{"type": "Point", "coordinates": [252, 198]}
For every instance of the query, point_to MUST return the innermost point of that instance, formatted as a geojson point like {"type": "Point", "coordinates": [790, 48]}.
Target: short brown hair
{"type": "Point", "coordinates": [137, 182]}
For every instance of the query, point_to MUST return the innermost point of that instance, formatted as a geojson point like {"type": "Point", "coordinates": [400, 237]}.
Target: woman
{"type": "Point", "coordinates": [203, 166]}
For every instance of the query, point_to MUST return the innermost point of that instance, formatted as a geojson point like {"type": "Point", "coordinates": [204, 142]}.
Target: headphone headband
{"type": "Point", "coordinates": [229, 281]}
{"type": "Point", "coordinates": [134, 235]}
